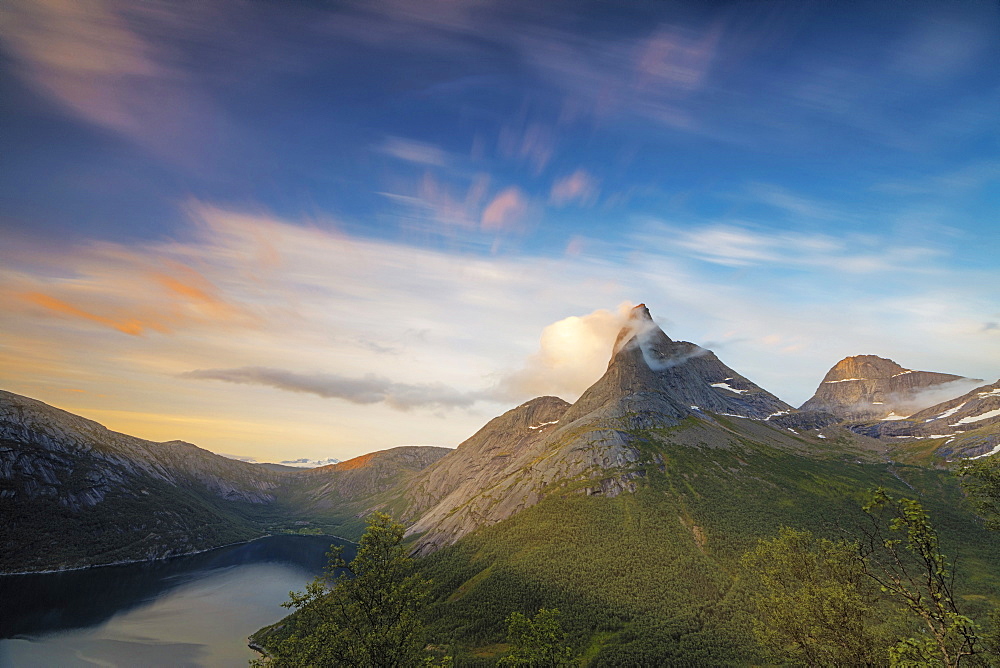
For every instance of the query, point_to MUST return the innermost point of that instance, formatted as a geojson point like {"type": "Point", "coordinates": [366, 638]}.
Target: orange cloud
{"type": "Point", "coordinates": [194, 287]}
{"type": "Point", "coordinates": [505, 211]}
{"type": "Point", "coordinates": [132, 326]}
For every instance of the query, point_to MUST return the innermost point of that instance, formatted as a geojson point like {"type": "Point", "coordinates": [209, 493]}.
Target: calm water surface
{"type": "Point", "coordinates": [189, 611]}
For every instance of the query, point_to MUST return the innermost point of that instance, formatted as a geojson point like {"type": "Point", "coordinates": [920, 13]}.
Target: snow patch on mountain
{"type": "Point", "coordinates": [976, 418]}
{"type": "Point", "coordinates": [992, 452]}
{"type": "Point", "coordinates": [948, 413]}
{"type": "Point", "coordinates": [726, 386]}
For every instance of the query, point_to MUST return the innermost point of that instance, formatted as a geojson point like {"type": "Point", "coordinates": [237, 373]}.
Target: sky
{"type": "Point", "coordinates": [316, 229]}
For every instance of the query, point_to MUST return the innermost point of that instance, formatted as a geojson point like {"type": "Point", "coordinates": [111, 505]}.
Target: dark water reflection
{"type": "Point", "coordinates": [189, 611]}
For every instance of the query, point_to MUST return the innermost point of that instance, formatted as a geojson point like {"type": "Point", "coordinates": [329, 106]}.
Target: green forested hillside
{"type": "Point", "coordinates": [652, 578]}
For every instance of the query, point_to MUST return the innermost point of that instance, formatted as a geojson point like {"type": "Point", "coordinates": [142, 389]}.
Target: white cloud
{"type": "Point", "coordinates": [416, 152]}
{"type": "Point", "coordinates": [573, 354]}
{"type": "Point", "coordinates": [745, 244]}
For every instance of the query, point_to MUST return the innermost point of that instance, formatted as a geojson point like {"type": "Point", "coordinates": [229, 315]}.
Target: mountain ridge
{"type": "Point", "coordinates": [595, 446]}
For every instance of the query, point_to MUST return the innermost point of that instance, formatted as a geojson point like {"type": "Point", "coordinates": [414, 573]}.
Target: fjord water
{"type": "Point", "coordinates": [188, 611]}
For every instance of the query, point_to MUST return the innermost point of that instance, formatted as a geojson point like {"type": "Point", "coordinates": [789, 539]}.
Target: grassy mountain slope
{"type": "Point", "coordinates": [651, 578]}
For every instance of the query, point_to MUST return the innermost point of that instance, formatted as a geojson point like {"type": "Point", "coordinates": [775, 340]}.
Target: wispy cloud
{"type": "Point", "coordinates": [737, 245]}
{"type": "Point", "coordinates": [954, 183]}
{"type": "Point", "coordinates": [370, 389]}
{"type": "Point", "coordinates": [793, 204]}
{"type": "Point", "coordinates": [409, 150]}
{"type": "Point", "coordinates": [113, 287]}
{"type": "Point", "coordinates": [579, 187]}
{"type": "Point", "coordinates": [130, 326]}
{"type": "Point", "coordinates": [650, 77]}
{"type": "Point", "coordinates": [96, 58]}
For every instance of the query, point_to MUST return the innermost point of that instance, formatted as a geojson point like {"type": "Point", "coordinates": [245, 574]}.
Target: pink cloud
{"type": "Point", "coordinates": [505, 211]}
{"type": "Point", "coordinates": [578, 187]}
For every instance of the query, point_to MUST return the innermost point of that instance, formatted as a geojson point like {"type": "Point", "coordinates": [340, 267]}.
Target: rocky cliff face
{"type": "Point", "coordinates": [651, 381]}
{"type": "Point", "coordinates": [655, 381]}
{"type": "Point", "coordinates": [869, 387]}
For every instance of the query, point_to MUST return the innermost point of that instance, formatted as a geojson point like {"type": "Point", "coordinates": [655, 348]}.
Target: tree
{"type": "Point", "coordinates": [366, 613]}
{"type": "Point", "coordinates": [812, 600]}
{"type": "Point", "coordinates": [911, 568]}
{"type": "Point", "coordinates": [539, 642]}
{"type": "Point", "coordinates": [981, 481]}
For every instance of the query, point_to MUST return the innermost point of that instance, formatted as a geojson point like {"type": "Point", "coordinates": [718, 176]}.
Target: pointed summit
{"type": "Point", "coordinates": [639, 325]}
{"type": "Point", "coordinates": [652, 379]}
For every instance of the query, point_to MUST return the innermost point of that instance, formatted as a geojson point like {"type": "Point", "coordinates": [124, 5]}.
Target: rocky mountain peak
{"type": "Point", "coordinates": [653, 379]}
{"type": "Point", "coordinates": [863, 367]}
{"type": "Point", "coordinates": [639, 328]}
{"type": "Point", "coordinates": [872, 387]}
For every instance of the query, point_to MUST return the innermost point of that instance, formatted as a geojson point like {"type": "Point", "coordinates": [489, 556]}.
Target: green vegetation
{"type": "Point", "coordinates": [902, 553]}
{"type": "Point", "coordinates": [654, 577]}
{"type": "Point", "coordinates": [981, 480]}
{"type": "Point", "coordinates": [888, 598]}
{"type": "Point", "coordinates": [687, 570]}
{"type": "Point", "coordinates": [367, 613]}
{"type": "Point", "coordinates": [813, 602]}
{"type": "Point", "coordinates": [537, 641]}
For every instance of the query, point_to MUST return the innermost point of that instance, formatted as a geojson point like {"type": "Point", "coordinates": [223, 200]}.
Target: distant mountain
{"type": "Point", "coordinates": [871, 387]}
{"type": "Point", "coordinates": [286, 466]}
{"type": "Point", "coordinates": [341, 487]}
{"type": "Point", "coordinates": [74, 493]}
{"type": "Point", "coordinates": [307, 463]}
{"type": "Point", "coordinates": [278, 468]}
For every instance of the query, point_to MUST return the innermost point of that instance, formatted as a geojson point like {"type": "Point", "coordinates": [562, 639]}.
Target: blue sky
{"type": "Point", "coordinates": [318, 229]}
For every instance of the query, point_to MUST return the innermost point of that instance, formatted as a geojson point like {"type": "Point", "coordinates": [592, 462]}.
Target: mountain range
{"type": "Point", "coordinates": [121, 497]}
{"type": "Point", "coordinates": [670, 458]}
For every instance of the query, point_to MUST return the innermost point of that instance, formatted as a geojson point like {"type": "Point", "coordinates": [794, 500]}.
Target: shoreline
{"type": "Point", "coordinates": [126, 562]}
